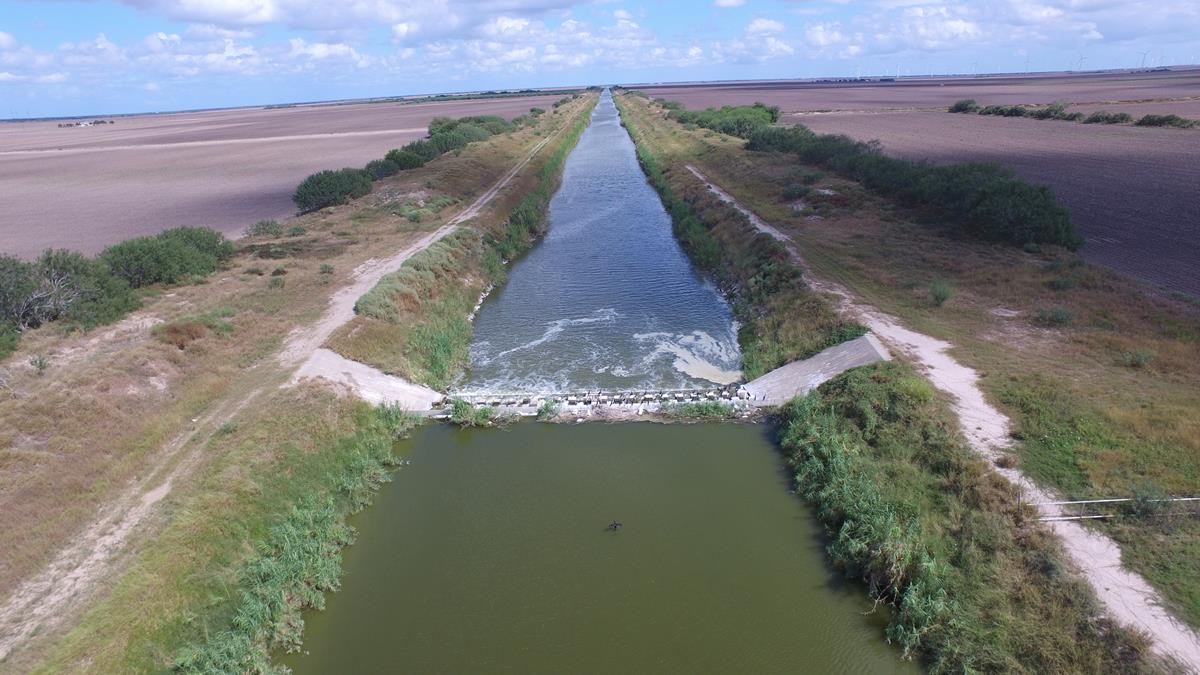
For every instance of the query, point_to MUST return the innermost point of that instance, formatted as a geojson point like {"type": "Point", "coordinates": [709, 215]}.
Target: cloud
{"type": "Point", "coordinates": [729, 3]}
{"type": "Point", "coordinates": [7, 41]}
{"type": "Point", "coordinates": [151, 87]}
{"type": "Point", "coordinates": [764, 26]}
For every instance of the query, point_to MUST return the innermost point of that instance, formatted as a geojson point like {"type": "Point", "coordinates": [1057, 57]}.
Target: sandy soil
{"type": "Point", "coordinates": [1131, 190]}
{"type": "Point", "coordinates": [1125, 594]}
{"type": "Point", "coordinates": [929, 93]}
{"type": "Point", "coordinates": [85, 188]}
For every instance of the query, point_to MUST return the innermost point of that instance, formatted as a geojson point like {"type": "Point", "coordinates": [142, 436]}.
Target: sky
{"type": "Point", "coordinates": [71, 57]}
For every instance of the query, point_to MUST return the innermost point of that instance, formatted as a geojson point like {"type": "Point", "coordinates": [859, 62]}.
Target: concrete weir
{"type": "Point", "coordinates": [773, 389]}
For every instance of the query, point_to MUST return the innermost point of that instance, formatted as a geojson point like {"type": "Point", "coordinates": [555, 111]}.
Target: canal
{"type": "Point", "coordinates": [608, 300]}
{"type": "Point", "coordinates": [489, 552]}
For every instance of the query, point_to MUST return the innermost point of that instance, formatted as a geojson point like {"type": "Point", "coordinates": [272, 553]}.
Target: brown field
{"type": "Point", "coordinates": [85, 188]}
{"type": "Point", "coordinates": [933, 93]}
{"type": "Point", "coordinates": [1132, 191]}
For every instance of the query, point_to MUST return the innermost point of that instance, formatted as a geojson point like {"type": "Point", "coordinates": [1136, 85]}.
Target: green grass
{"type": "Point", "coordinates": [703, 410]}
{"type": "Point", "coordinates": [467, 415]}
{"type": "Point", "coordinates": [976, 585]}
{"type": "Point", "coordinates": [257, 542]}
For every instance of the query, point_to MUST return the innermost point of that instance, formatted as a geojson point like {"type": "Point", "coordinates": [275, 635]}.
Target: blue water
{"type": "Point", "coordinates": [608, 299]}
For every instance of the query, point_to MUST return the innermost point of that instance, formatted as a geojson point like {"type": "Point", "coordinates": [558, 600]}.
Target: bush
{"type": "Point", "coordinates": [966, 105]}
{"type": "Point", "coordinates": [466, 415]}
{"type": "Point", "coordinates": [404, 159]}
{"type": "Point", "coordinates": [99, 297]}
{"type": "Point", "coordinates": [794, 191]}
{"type": "Point", "coordinates": [330, 188]}
{"type": "Point", "coordinates": [382, 168]}
{"type": "Point", "coordinates": [1138, 358]}
{"type": "Point", "coordinates": [265, 228]}
{"type": "Point", "coordinates": [1055, 111]}
{"type": "Point", "coordinates": [742, 120]}
{"type": "Point", "coordinates": [297, 231]}
{"type": "Point", "coordinates": [1003, 110]}
{"type": "Point", "coordinates": [939, 292]}
{"type": "Point", "coordinates": [1166, 121]}
{"type": "Point", "coordinates": [704, 410]}
{"type": "Point", "coordinates": [1105, 117]}
{"type": "Point", "coordinates": [548, 410]}
{"type": "Point", "coordinates": [168, 257]}
{"type": "Point", "coordinates": [1051, 318]}
{"type": "Point", "coordinates": [984, 200]}
{"type": "Point", "coordinates": [1148, 500]}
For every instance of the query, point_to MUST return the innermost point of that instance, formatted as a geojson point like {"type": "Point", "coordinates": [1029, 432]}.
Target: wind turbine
{"type": "Point", "coordinates": [1026, 63]}
{"type": "Point", "coordinates": [1079, 67]}
{"type": "Point", "coordinates": [1144, 55]}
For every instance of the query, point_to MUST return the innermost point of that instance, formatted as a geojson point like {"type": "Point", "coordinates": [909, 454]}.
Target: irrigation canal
{"type": "Point", "coordinates": [490, 553]}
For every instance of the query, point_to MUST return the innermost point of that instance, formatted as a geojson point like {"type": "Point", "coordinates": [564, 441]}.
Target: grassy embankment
{"type": "Point", "coordinates": [781, 319]}
{"type": "Point", "coordinates": [217, 394]}
{"type": "Point", "coordinates": [842, 242]}
{"type": "Point", "coordinates": [1098, 372]}
{"type": "Point", "coordinates": [415, 322]}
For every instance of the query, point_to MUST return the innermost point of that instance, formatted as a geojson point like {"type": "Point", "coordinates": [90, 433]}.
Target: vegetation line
{"type": "Point", "coordinates": [415, 322]}
{"type": "Point", "coordinates": [781, 319]}
{"type": "Point", "coordinates": [300, 558]}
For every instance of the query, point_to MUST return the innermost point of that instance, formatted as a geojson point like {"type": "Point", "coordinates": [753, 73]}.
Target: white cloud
{"type": "Point", "coordinates": [764, 26]}
{"type": "Point", "coordinates": [151, 87]}
{"type": "Point", "coordinates": [729, 3]}
{"type": "Point", "coordinates": [7, 41]}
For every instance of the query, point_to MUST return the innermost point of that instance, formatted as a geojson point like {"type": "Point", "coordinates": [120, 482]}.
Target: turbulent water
{"type": "Point", "coordinates": [609, 299]}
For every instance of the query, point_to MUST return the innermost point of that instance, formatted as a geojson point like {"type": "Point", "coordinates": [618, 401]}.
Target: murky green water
{"type": "Point", "coordinates": [489, 554]}
{"type": "Point", "coordinates": [608, 299]}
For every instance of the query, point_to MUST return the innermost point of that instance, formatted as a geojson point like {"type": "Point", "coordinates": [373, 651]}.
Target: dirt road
{"type": "Point", "coordinates": [1125, 594]}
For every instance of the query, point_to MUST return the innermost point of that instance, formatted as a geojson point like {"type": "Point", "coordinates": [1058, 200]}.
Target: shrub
{"type": "Point", "coordinates": [275, 282]}
{"type": "Point", "coordinates": [39, 363]}
{"type": "Point", "coordinates": [265, 228]}
{"type": "Point", "coordinates": [939, 292]}
{"type": "Point", "coordinates": [10, 337]}
{"type": "Point", "coordinates": [61, 285]}
{"type": "Point", "coordinates": [1138, 358]}
{"type": "Point", "coordinates": [297, 231]}
{"type": "Point", "coordinates": [1051, 318]}
{"type": "Point", "coordinates": [548, 410]}
{"type": "Point", "coordinates": [1148, 500]}
{"type": "Point", "coordinates": [966, 105]}
{"type": "Point", "coordinates": [330, 188]}
{"type": "Point", "coordinates": [405, 159]}
{"type": "Point", "coordinates": [793, 192]}
{"type": "Point", "coordinates": [466, 415]}
{"type": "Point", "coordinates": [326, 269]}
{"type": "Point", "coordinates": [1055, 111]}
{"type": "Point", "coordinates": [1003, 110]}
{"type": "Point", "coordinates": [1105, 117]}
{"type": "Point", "coordinates": [1166, 121]}
{"type": "Point", "coordinates": [382, 168]}
{"type": "Point", "coordinates": [168, 257]}
{"type": "Point", "coordinates": [1061, 283]}
{"type": "Point", "coordinates": [742, 121]}
{"type": "Point", "coordinates": [703, 410]}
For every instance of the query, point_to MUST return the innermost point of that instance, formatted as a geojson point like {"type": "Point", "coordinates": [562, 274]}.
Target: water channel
{"type": "Point", "coordinates": [489, 552]}
{"type": "Point", "coordinates": [608, 300]}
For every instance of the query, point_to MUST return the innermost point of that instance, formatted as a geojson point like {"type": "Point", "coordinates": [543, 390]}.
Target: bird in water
{"type": "Point", "coordinates": [614, 526]}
